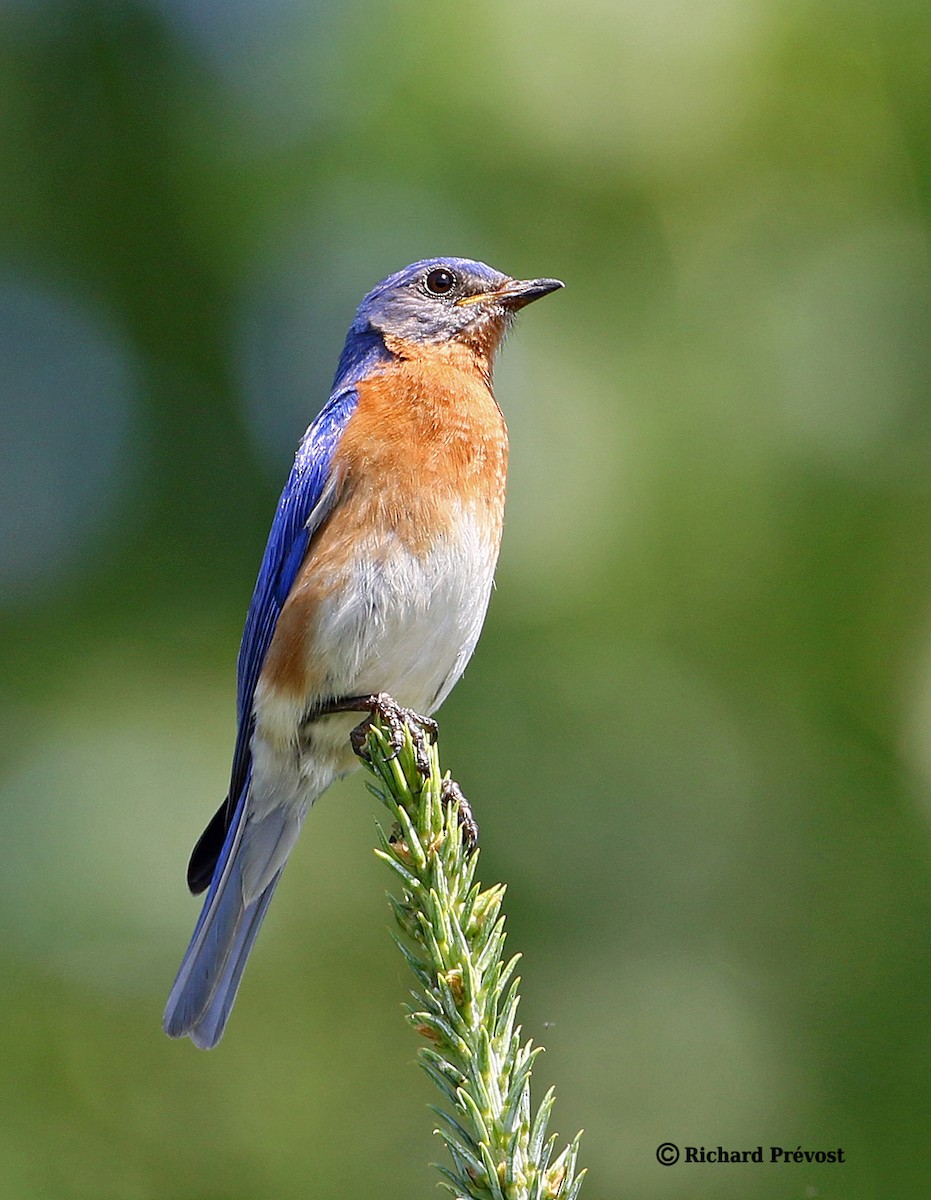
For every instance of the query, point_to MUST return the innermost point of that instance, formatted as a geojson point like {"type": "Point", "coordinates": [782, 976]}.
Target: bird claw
{"type": "Point", "coordinates": [451, 793]}
{"type": "Point", "coordinates": [397, 718]}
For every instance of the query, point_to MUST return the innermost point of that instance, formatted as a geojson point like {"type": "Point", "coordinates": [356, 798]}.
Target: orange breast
{"type": "Point", "coordinates": [426, 446]}
{"type": "Point", "coordinates": [427, 438]}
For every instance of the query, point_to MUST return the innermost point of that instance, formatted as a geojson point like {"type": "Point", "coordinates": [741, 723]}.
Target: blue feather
{"type": "Point", "coordinates": [209, 976]}
{"type": "Point", "coordinates": [210, 972]}
{"type": "Point", "coordinates": [299, 512]}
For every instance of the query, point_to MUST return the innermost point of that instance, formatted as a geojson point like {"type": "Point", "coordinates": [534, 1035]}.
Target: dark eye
{"type": "Point", "coordinates": [440, 282]}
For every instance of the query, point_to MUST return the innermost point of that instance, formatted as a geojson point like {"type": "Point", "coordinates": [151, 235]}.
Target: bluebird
{"type": "Point", "coordinates": [371, 593]}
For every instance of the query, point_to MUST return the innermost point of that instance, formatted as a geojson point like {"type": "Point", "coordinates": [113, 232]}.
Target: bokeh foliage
{"type": "Point", "coordinates": [697, 731]}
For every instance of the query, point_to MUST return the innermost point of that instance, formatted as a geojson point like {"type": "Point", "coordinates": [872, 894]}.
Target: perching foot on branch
{"type": "Point", "coordinates": [451, 793]}
{"type": "Point", "coordinates": [395, 717]}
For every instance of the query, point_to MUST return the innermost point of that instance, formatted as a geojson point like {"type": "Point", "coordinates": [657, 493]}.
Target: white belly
{"type": "Point", "coordinates": [407, 623]}
{"type": "Point", "coordinates": [394, 621]}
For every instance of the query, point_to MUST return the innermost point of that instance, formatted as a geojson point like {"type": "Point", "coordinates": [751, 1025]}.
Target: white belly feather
{"type": "Point", "coordinates": [407, 623]}
{"type": "Point", "coordinates": [395, 621]}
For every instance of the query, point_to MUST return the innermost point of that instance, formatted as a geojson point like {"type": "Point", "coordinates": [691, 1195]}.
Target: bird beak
{"type": "Point", "coordinates": [516, 292]}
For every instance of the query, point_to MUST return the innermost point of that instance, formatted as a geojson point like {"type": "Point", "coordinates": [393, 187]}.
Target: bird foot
{"type": "Point", "coordinates": [396, 717]}
{"type": "Point", "coordinates": [452, 794]}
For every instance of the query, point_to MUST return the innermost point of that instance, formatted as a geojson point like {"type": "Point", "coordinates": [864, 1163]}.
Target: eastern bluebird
{"type": "Point", "coordinates": [375, 579]}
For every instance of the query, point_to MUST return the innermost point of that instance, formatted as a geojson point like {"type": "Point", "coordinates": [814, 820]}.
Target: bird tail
{"type": "Point", "coordinates": [244, 882]}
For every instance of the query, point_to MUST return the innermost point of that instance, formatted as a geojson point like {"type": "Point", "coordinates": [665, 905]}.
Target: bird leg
{"type": "Point", "coordinates": [395, 717]}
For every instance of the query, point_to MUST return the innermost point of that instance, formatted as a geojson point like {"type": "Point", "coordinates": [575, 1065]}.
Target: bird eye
{"type": "Point", "coordinates": [440, 282]}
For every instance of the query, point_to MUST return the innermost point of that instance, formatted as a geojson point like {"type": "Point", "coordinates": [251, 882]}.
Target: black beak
{"type": "Point", "coordinates": [518, 292]}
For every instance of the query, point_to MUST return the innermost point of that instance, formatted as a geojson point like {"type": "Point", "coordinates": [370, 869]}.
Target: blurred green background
{"type": "Point", "coordinates": [697, 732]}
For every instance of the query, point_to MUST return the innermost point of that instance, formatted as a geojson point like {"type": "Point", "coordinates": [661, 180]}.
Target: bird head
{"type": "Point", "coordinates": [442, 300]}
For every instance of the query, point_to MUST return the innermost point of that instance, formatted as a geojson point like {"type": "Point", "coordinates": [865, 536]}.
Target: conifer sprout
{"type": "Point", "coordinates": [451, 933]}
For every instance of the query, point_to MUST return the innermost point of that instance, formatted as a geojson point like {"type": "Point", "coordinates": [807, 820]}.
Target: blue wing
{"type": "Point", "coordinates": [303, 505]}
{"type": "Point", "coordinates": [241, 854]}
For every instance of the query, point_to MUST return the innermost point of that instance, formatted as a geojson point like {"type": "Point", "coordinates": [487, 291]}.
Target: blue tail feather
{"type": "Point", "coordinates": [206, 1029]}
{"type": "Point", "coordinates": [210, 973]}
